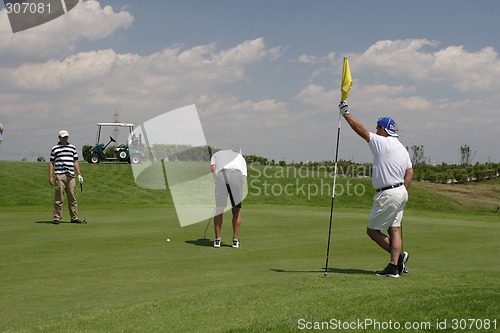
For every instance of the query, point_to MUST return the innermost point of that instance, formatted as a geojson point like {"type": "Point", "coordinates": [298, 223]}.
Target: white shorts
{"type": "Point", "coordinates": [387, 209]}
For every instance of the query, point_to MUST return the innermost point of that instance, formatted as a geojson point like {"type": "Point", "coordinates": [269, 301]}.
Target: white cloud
{"type": "Point", "coordinates": [326, 64]}
{"type": "Point", "coordinates": [317, 95]}
{"type": "Point", "coordinates": [247, 51]}
{"type": "Point", "coordinates": [84, 67]}
{"type": "Point", "coordinates": [307, 59]}
{"type": "Point", "coordinates": [227, 110]}
{"type": "Point", "coordinates": [441, 96]}
{"type": "Point", "coordinates": [411, 59]}
{"type": "Point", "coordinates": [90, 21]}
{"type": "Point", "coordinates": [169, 71]}
{"type": "Point", "coordinates": [471, 71]}
{"type": "Point", "coordinates": [415, 67]}
{"type": "Point", "coordinates": [414, 103]}
{"type": "Point", "coordinates": [312, 59]}
{"type": "Point", "coordinates": [59, 37]}
{"type": "Point", "coordinates": [398, 57]}
{"type": "Point", "coordinates": [415, 81]}
{"type": "Point", "coordinates": [141, 87]}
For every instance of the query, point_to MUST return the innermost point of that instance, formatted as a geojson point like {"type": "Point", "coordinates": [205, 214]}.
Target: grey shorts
{"type": "Point", "coordinates": [229, 184]}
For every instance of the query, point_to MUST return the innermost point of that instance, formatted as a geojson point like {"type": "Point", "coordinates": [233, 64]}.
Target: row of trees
{"type": "Point", "coordinates": [417, 155]}
{"type": "Point", "coordinates": [444, 173]}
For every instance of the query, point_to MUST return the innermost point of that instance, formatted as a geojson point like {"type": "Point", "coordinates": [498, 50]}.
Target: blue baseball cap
{"type": "Point", "coordinates": [389, 125]}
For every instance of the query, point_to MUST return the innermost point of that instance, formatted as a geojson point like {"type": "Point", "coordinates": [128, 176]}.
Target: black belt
{"type": "Point", "coordinates": [388, 187]}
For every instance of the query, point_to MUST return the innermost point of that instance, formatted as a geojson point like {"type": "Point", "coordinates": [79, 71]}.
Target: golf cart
{"type": "Point", "coordinates": [131, 153]}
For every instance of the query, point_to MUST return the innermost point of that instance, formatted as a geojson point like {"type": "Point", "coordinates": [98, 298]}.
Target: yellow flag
{"type": "Point", "coordinates": [346, 80]}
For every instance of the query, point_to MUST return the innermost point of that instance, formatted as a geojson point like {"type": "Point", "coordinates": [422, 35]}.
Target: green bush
{"type": "Point", "coordinates": [86, 151]}
{"type": "Point", "coordinates": [461, 175]}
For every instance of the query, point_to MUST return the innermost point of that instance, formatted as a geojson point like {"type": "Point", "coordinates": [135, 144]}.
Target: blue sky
{"type": "Point", "coordinates": [264, 75]}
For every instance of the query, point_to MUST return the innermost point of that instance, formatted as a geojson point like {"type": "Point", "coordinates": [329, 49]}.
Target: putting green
{"type": "Point", "coordinates": [118, 273]}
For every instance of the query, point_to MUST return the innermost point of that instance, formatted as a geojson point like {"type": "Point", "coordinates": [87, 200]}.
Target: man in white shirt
{"type": "Point", "coordinates": [391, 178]}
{"type": "Point", "coordinates": [228, 168]}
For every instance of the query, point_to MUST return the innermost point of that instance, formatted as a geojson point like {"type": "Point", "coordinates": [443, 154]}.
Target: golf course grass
{"type": "Point", "coordinates": [118, 273]}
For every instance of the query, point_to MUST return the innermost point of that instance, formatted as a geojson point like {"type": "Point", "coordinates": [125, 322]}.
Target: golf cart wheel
{"type": "Point", "coordinates": [123, 155]}
{"type": "Point", "coordinates": [94, 158]}
{"type": "Point", "coordinates": [135, 159]}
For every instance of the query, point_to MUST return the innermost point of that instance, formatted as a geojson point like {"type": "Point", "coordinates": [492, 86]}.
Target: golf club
{"type": "Point", "coordinates": [205, 233]}
{"type": "Point", "coordinates": [84, 214]}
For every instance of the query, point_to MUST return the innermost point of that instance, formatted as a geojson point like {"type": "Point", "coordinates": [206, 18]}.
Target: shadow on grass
{"type": "Point", "coordinates": [49, 222]}
{"type": "Point", "coordinates": [61, 222]}
{"type": "Point", "coordinates": [330, 270]}
{"type": "Point", "coordinates": [205, 242]}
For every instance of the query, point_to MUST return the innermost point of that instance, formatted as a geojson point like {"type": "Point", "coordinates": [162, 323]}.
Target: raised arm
{"type": "Point", "coordinates": [353, 122]}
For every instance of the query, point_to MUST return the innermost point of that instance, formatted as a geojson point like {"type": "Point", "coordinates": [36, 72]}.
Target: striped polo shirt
{"type": "Point", "coordinates": [64, 157]}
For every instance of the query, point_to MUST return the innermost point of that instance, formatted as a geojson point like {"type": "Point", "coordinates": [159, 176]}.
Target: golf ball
{"type": "Point", "coordinates": [168, 239]}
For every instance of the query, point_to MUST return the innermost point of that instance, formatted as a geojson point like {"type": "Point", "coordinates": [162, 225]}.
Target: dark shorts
{"type": "Point", "coordinates": [229, 183]}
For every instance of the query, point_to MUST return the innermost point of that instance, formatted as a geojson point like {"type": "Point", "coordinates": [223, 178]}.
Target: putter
{"type": "Point", "coordinates": [205, 233]}
{"type": "Point", "coordinates": [84, 214]}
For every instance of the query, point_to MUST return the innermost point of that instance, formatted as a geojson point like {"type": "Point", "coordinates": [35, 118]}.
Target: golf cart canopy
{"type": "Point", "coordinates": [130, 152]}
{"type": "Point", "coordinates": [116, 124]}
{"type": "Point", "coordinates": [101, 125]}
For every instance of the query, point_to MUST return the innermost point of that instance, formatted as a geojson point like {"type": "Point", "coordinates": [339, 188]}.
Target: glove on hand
{"type": "Point", "coordinates": [344, 108]}
{"type": "Point", "coordinates": [80, 179]}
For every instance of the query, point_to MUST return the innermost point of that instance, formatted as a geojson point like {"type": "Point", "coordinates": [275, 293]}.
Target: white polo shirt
{"type": "Point", "coordinates": [390, 160]}
{"type": "Point", "coordinates": [229, 160]}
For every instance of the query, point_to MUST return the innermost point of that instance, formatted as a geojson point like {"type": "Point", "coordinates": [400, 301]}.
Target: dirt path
{"type": "Point", "coordinates": [485, 194]}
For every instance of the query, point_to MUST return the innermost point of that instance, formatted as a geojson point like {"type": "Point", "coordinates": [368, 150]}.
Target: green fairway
{"type": "Point", "coordinates": [119, 274]}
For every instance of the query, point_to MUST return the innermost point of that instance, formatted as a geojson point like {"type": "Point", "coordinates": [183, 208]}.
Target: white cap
{"type": "Point", "coordinates": [63, 134]}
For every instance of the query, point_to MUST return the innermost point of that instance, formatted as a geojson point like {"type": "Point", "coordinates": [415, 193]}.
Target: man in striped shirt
{"type": "Point", "coordinates": [64, 161]}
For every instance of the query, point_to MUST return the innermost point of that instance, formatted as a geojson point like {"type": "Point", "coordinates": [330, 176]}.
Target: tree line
{"type": "Point", "coordinates": [464, 172]}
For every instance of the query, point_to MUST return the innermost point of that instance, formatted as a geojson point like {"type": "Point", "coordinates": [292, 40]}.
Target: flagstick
{"type": "Point", "coordinates": [333, 198]}
{"type": "Point", "coordinates": [345, 86]}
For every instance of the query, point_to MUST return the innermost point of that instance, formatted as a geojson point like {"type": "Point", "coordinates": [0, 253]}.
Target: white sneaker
{"type": "Point", "coordinates": [236, 243]}
{"type": "Point", "coordinates": [403, 258]}
{"type": "Point", "coordinates": [217, 243]}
